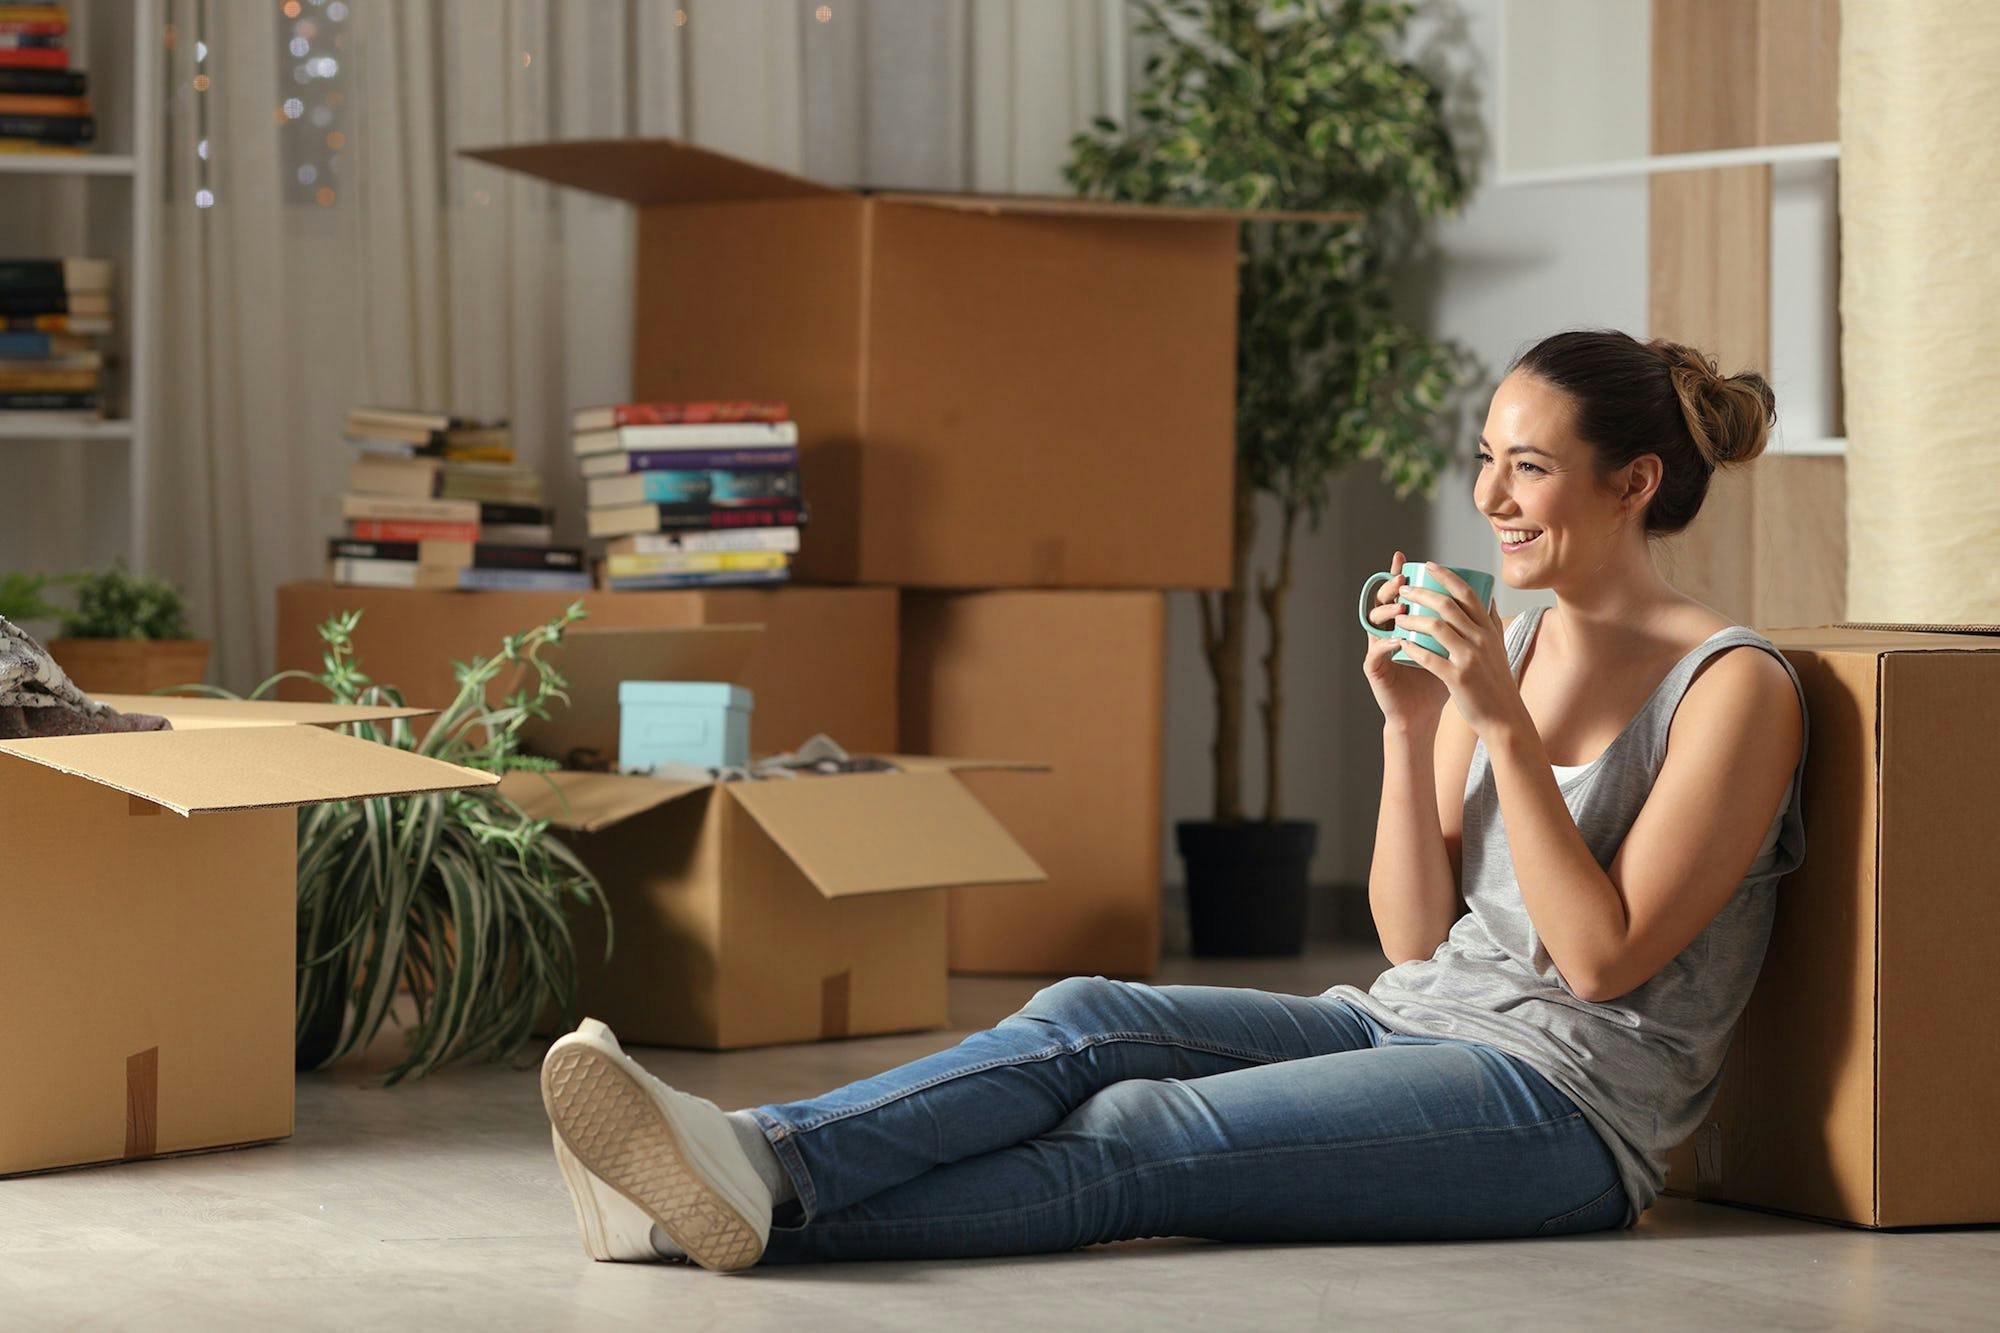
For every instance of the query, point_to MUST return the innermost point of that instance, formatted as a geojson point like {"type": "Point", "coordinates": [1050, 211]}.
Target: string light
{"type": "Point", "coordinates": [201, 83]}
{"type": "Point", "coordinates": [824, 13]}
{"type": "Point", "coordinates": [680, 18]}
{"type": "Point", "coordinates": [527, 59]}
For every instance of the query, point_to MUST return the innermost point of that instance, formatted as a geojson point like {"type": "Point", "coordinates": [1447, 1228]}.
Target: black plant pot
{"type": "Point", "coordinates": [1246, 886]}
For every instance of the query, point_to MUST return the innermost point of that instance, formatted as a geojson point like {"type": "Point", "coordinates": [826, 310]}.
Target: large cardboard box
{"type": "Point", "coordinates": [991, 391]}
{"type": "Point", "coordinates": [751, 913]}
{"type": "Point", "coordinates": [1862, 1082]}
{"type": "Point", "coordinates": [148, 924]}
{"type": "Point", "coordinates": [1076, 679]}
{"type": "Point", "coordinates": [826, 660]}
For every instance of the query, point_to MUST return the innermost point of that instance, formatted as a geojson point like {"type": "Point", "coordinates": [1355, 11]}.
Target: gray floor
{"type": "Point", "coordinates": [438, 1204]}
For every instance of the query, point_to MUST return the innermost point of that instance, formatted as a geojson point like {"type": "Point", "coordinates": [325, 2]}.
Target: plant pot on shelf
{"type": "Point", "coordinates": [130, 666]}
{"type": "Point", "coordinates": [1246, 886]}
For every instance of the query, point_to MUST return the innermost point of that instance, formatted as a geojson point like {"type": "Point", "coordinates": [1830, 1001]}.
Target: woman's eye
{"type": "Point", "coordinates": [1535, 467]}
{"type": "Point", "coordinates": [1482, 456]}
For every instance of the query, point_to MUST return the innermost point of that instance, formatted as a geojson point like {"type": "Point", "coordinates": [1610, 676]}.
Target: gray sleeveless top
{"type": "Point", "coordinates": [1642, 1068]}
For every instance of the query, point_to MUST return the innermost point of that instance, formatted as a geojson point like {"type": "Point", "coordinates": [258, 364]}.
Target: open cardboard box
{"type": "Point", "coordinates": [148, 932]}
{"type": "Point", "coordinates": [991, 390]}
{"type": "Point", "coordinates": [750, 913]}
{"type": "Point", "coordinates": [1862, 1080]}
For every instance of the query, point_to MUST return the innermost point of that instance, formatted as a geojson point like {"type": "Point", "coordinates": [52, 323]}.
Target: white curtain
{"type": "Point", "coordinates": [430, 281]}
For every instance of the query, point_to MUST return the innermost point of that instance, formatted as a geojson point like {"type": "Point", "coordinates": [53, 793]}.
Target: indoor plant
{"type": "Point", "coordinates": [21, 598]}
{"type": "Point", "coordinates": [457, 896]}
{"type": "Point", "coordinates": [127, 635]}
{"type": "Point", "coordinates": [1301, 104]}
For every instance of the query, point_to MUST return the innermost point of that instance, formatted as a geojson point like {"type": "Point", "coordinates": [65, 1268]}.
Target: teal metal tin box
{"type": "Point", "coordinates": [700, 722]}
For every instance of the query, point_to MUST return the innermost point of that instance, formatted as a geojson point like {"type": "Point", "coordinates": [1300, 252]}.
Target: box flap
{"type": "Point", "coordinates": [932, 763]}
{"type": "Point", "coordinates": [652, 171]}
{"type": "Point", "coordinates": [597, 661]}
{"type": "Point", "coordinates": [1917, 627]}
{"type": "Point", "coordinates": [1853, 638]}
{"type": "Point", "coordinates": [878, 832]}
{"type": "Point", "coordinates": [214, 769]}
{"type": "Point", "coordinates": [1068, 206]}
{"type": "Point", "coordinates": [590, 802]}
{"type": "Point", "coordinates": [189, 712]}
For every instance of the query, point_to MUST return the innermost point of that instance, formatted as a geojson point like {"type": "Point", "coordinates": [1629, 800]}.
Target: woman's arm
{"type": "Point", "coordinates": [1413, 879]}
{"type": "Point", "coordinates": [1734, 742]}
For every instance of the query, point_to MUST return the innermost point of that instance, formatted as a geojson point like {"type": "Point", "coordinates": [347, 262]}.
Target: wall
{"type": "Point", "coordinates": [1516, 264]}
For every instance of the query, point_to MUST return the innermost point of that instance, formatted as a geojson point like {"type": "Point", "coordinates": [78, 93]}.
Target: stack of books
{"type": "Point", "coordinates": [692, 494]}
{"type": "Point", "coordinates": [50, 311]}
{"type": "Point", "coordinates": [436, 501]}
{"type": "Point", "coordinates": [44, 107]}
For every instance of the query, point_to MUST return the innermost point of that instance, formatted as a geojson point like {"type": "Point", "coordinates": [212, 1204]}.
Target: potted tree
{"type": "Point", "coordinates": [127, 635]}
{"type": "Point", "coordinates": [1302, 104]}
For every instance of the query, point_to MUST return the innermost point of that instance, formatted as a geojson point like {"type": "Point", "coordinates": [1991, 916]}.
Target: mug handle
{"type": "Point", "coordinates": [1367, 596]}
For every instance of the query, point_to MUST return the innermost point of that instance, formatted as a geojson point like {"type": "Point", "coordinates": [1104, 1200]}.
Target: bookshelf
{"type": "Point", "coordinates": [105, 204]}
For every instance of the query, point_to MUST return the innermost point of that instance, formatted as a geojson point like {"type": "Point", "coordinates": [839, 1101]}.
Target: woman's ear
{"type": "Point", "coordinates": [1641, 481]}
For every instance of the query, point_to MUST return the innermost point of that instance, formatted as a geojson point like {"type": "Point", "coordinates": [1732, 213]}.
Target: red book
{"type": "Point", "coordinates": [34, 57]}
{"type": "Point", "coordinates": [677, 414]}
{"type": "Point", "coordinates": [386, 530]}
{"type": "Point", "coordinates": [34, 27]}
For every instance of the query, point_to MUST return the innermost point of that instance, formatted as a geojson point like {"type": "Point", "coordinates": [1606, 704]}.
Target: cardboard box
{"type": "Point", "coordinates": [1862, 1080]}
{"type": "Point", "coordinates": [148, 935]}
{"type": "Point", "coordinates": [991, 391]}
{"type": "Point", "coordinates": [750, 913]}
{"type": "Point", "coordinates": [827, 660]}
{"type": "Point", "coordinates": [1076, 679]}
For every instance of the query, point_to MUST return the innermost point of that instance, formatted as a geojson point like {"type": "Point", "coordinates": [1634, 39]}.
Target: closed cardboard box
{"type": "Point", "coordinates": [826, 660]}
{"type": "Point", "coordinates": [991, 391]}
{"type": "Point", "coordinates": [148, 932]}
{"type": "Point", "coordinates": [1074, 679]}
{"type": "Point", "coordinates": [747, 913]}
{"type": "Point", "coordinates": [1862, 1082]}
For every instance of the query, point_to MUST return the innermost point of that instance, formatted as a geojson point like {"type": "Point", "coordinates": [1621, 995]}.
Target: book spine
{"type": "Point", "coordinates": [673, 414]}
{"type": "Point", "coordinates": [47, 57]}
{"type": "Point", "coordinates": [58, 323]}
{"type": "Point", "coordinates": [719, 486]}
{"type": "Point", "coordinates": [44, 82]}
{"type": "Point", "coordinates": [42, 301]}
{"type": "Point", "coordinates": [421, 511]}
{"type": "Point", "coordinates": [564, 558]}
{"type": "Point", "coordinates": [739, 434]}
{"type": "Point", "coordinates": [389, 530]}
{"type": "Point", "coordinates": [524, 580]}
{"type": "Point", "coordinates": [674, 517]}
{"type": "Point", "coordinates": [693, 562]}
{"type": "Point", "coordinates": [26, 346]}
{"type": "Point", "coordinates": [741, 539]}
{"type": "Point", "coordinates": [13, 38]}
{"type": "Point", "coordinates": [739, 460]}
{"type": "Point", "coordinates": [40, 27]}
{"type": "Point", "coordinates": [531, 515]}
{"type": "Point", "coordinates": [53, 129]}
{"type": "Point", "coordinates": [49, 402]}
{"type": "Point", "coordinates": [373, 573]}
{"type": "Point", "coordinates": [50, 380]}
{"type": "Point", "coordinates": [516, 534]}
{"type": "Point", "coordinates": [34, 275]}
{"type": "Point", "coordinates": [715, 578]}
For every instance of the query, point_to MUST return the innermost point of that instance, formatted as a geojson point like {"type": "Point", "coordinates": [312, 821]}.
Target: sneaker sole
{"type": "Point", "coordinates": [620, 1134]}
{"type": "Point", "coordinates": [592, 1222]}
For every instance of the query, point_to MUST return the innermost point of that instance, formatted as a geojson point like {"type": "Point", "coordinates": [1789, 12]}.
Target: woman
{"type": "Point", "coordinates": [1614, 791]}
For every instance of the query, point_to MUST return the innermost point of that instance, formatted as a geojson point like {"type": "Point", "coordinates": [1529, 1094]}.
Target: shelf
{"type": "Point", "coordinates": [1647, 166]}
{"type": "Point", "coordinates": [1832, 446]}
{"type": "Point", "coordinates": [64, 430]}
{"type": "Point", "coordinates": [66, 164]}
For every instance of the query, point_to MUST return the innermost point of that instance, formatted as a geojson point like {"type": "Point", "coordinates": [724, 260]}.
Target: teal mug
{"type": "Point", "coordinates": [1416, 576]}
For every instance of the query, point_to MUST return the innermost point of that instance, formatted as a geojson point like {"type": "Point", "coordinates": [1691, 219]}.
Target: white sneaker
{"type": "Point", "coordinates": [642, 1149]}
{"type": "Point", "coordinates": [615, 1230]}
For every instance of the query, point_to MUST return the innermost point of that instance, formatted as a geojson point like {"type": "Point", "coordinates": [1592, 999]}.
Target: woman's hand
{"type": "Point", "coordinates": [1477, 674]}
{"type": "Point", "coordinates": [1411, 700]}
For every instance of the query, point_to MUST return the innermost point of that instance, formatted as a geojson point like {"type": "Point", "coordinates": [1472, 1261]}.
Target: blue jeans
{"type": "Point", "coordinates": [1109, 1110]}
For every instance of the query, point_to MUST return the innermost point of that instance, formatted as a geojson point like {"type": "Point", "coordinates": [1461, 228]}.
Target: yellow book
{"type": "Point", "coordinates": [49, 381]}
{"type": "Point", "coordinates": [37, 146]}
{"type": "Point", "coordinates": [692, 562]}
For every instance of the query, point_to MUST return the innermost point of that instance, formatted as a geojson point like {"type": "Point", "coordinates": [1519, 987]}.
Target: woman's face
{"type": "Point", "coordinates": [1537, 479]}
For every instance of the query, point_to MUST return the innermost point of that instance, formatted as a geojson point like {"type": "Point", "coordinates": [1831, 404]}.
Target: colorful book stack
{"type": "Point", "coordinates": [43, 103]}
{"type": "Point", "coordinates": [692, 494]}
{"type": "Point", "coordinates": [50, 312]}
{"type": "Point", "coordinates": [435, 501]}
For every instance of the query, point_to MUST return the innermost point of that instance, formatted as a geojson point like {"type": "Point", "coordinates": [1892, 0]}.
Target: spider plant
{"type": "Point", "coordinates": [457, 896]}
